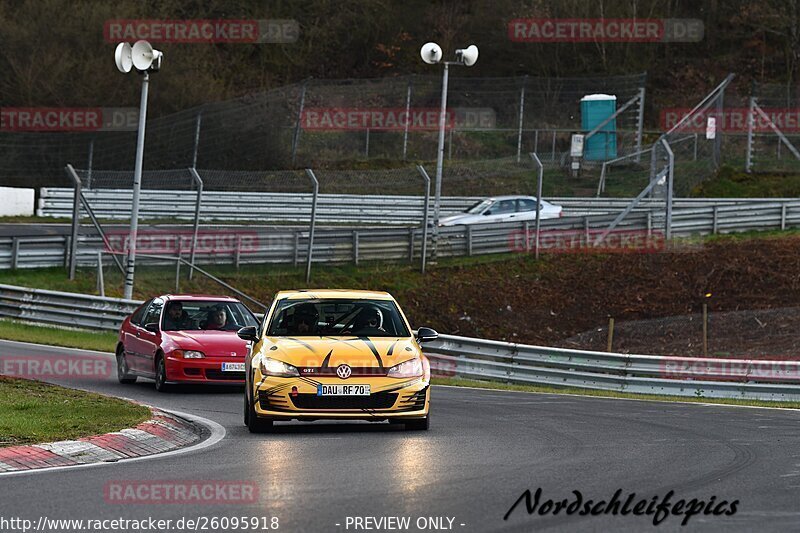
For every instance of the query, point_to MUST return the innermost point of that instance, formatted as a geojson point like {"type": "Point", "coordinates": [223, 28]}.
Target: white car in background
{"type": "Point", "coordinates": [503, 209]}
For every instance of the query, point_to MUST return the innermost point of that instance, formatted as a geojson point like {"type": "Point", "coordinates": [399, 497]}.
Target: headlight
{"type": "Point", "coordinates": [189, 354]}
{"type": "Point", "coordinates": [409, 369]}
{"type": "Point", "coordinates": [273, 367]}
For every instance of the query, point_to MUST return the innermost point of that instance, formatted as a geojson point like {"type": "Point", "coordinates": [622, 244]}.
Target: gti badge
{"type": "Point", "coordinates": [343, 371]}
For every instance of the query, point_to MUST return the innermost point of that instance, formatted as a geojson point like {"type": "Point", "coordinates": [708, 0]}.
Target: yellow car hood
{"type": "Point", "coordinates": [330, 352]}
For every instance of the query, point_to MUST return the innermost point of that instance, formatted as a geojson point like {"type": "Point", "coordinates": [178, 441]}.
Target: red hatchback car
{"type": "Point", "coordinates": [187, 339]}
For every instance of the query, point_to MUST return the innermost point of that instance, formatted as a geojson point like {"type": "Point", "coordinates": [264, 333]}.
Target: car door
{"type": "Point", "coordinates": [131, 334]}
{"type": "Point", "coordinates": [149, 341]}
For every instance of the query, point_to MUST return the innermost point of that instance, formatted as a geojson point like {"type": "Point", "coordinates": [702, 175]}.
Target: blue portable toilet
{"type": "Point", "coordinates": [595, 108]}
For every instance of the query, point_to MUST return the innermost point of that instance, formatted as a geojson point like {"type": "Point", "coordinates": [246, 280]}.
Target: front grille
{"type": "Point", "coordinates": [379, 400]}
{"type": "Point", "coordinates": [219, 375]}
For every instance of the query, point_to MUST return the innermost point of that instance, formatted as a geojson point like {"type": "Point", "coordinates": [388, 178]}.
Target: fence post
{"type": "Point", "coordinates": [410, 245]}
{"type": "Point", "coordinates": [553, 150]}
{"type": "Point", "coordinates": [425, 218]}
{"type": "Point", "coordinates": [296, 248]}
{"type": "Point", "coordinates": [296, 137]}
{"type": "Point", "coordinates": [366, 147]}
{"type": "Point", "coordinates": [469, 241]}
{"type": "Point", "coordinates": [355, 248]}
{"type": "Point", "coordinates": [718, 136]}
{"type": "Point", "coordinates": [76, 220]}
{"type": "Point", "coordinates": [586, 232]}
{"type": "Point", "coordinates": [178, 270]}
{"type": "Point", "coordinates": [521, 116]}
{"type": "Point", "coordinates": [649, 224]}
{"type": "Point", "coordinates": [196, 229]}
{"type": "Point", "coordinates": [748, 165]}
{"type": "Point", "coordinates": [14, 252]}
{"type": "Point", "coordinates": [101, 284]}
{"type": "Point", "coordinates": [194, 152]}
{"type": "Point", "coordinates": [670, 186]}
{"type": "Point", "coordinates": [312, 223]}
{"type": "Point", "coordinates": [67, 248]}
{"type": "Point", "coordinates": [538, 203]}
{"type": "Point", "coordinates": [408, 120]}
{"type": "Point", "coordinates": [89, 164]}
{"type": "Point", "coordinates": [526, 227]}
{"type": "Point", "coordinates": [640, 124]}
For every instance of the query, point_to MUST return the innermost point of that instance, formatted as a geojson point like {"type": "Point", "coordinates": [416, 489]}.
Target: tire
{"type": "Point", "coordinates": [123, 372]}
{"type": "Point", "coordinates": [419, 424]}
{"type": "Point", "coordinates": [253, 422]}
{"type": "Point", "coordinates": [161, 375]}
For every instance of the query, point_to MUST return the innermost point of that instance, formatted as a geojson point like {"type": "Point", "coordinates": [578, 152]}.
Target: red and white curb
{"type": "Point", "coordinates": [164, 432]}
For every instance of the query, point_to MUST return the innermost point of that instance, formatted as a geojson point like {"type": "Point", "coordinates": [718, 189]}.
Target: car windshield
{"type": "Point", "coordinates": [479, 207]}
{"type": "Point", "coordinates": [206, 315]}
{"type": "Point", "coordinates": [337, 317]}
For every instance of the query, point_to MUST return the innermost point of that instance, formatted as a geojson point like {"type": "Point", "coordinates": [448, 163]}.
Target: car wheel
{"type": "Point", "coordinates": [254, 423]}
{"type": "Point", "coordinates": [161, 374]}
{"type": "Point", "coordinates": [419, 424]}
{"type": "Point", "coordinates": [123, 372]}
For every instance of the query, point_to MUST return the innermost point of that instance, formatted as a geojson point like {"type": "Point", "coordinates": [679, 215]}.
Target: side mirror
{"type": "Point", "coordinates": [151, 327]}
{"type": "Point", "coordinates": [248, 334]}
{"type": "Point", "coordinates": [426, 334]}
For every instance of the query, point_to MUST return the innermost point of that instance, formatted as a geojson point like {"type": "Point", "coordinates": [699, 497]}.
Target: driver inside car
{"type": "Point", "coordinates": [305, 320]}
{"type": "Point", "coordinates": [369, 322]}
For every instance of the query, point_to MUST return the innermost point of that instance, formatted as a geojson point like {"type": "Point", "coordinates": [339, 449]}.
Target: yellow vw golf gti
{"type": "Point", "coordinates": [336, 354]}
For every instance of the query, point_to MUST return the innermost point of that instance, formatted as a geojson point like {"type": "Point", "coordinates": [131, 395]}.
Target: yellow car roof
{"type": "Point", "coordinates": [303, 294]}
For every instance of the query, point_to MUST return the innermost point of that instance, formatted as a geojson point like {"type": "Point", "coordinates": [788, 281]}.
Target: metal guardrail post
{"type": "Point", "coordinates": [355, 248]}
{"type": "Point", "coordinates": [296, 248]}
{"type": "Point", "coordinates": [101, 283]}
{"type": "Point", "coordinates": [783, 217]}
{"type": "Point", "coordinates": [714, 220]}
{"type": "Point", "coordinates": [196, 228]}
{"type": "Point", "coordinates": [89, 163]}
{"type": "Point", "coordinates": [410, 245]}
{"type": "Point", "coordinates": [76, 220]}
{"type": "Point", "coordinates": [538, 202]}
{"type": "Point", "coordinates": [425, 216]}
{"type": "Point", "coordinates": [14, 253]}
{"type": "Point", "coordinates": [468, 237]}
{"type": "Point", "coordinates": [312, 223]}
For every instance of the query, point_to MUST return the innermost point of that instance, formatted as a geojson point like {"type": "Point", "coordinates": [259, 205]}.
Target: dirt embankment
{"type": "Point", "coordinates": [562, 299]}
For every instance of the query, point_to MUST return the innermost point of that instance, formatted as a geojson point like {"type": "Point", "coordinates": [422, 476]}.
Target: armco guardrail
{"type": "Point", "coordinates": [64, 308]}
{"type": "Point", "coordinates": [338, 246]}
{"type": "Point", "coordinates": [637, 374]}
{"type": "Point", "coordinates": [264, 207]}
{"type": "Point", "coordinates": [490, 360]}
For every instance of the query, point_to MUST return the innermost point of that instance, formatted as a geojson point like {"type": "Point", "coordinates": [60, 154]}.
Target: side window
{"type": "Point", "coordinates": [136, 319]}
{"type": "Point", "coordinates": [492, 210]}
{"type": "Point", "coordinates": [154, 312]}
{"type": "Point", "coordinates": [527, 205]}
{"type": "Point", "coordinates": [505, 206]}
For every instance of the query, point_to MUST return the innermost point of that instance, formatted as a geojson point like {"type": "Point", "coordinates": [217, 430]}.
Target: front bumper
{"type": "Point", "coordinates": [208, 370]}
{"type": "Point", "coordinates": [390, 398]}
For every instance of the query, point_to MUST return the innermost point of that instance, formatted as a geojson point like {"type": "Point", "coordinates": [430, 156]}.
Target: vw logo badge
{"type": "Point", "coordinates": [343, 371]}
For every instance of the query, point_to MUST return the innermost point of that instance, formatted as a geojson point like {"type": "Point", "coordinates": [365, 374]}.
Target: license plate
{"type": "Point", "coordinates": [233, 367]}
{"type": "Point", "coordinates": [343, 390]}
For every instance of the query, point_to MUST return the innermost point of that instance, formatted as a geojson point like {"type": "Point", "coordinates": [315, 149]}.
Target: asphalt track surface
{"type": "Point", "coordinates": [484, 449]}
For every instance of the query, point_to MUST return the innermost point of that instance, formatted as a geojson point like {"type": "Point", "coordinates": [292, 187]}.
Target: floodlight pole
{"type": "Point", "coordinates": [437, 194]}
{"type": "Point", "coordinates": [137, 186]}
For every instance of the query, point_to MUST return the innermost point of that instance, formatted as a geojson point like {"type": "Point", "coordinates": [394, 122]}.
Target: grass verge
{"type": "Point", "coordinates": [32, 412]}
{"type": "Point", "coordinates": [491, 385]}
{"type": "Point", "coordinates": [101, 341]}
